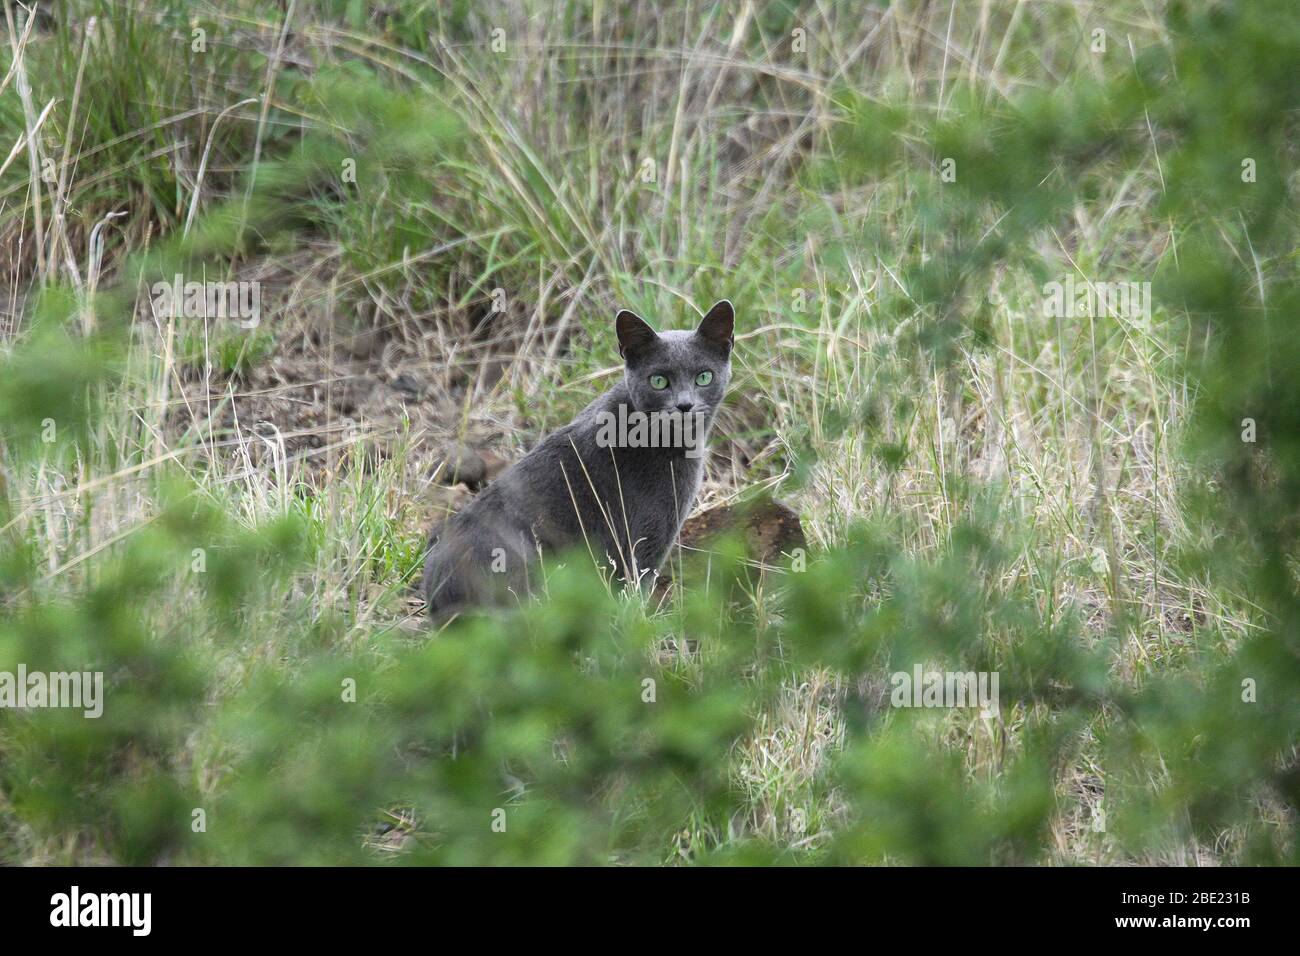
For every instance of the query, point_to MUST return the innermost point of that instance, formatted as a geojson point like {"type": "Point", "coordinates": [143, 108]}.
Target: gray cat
{"type": "Point", "coordinates": [618, 481]}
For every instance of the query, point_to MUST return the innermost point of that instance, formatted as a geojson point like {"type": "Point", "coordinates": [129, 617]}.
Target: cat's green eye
{"type": "Point", "coordinates": [658, 382]}
{"type": "Point", "coordinates": [704, 378]}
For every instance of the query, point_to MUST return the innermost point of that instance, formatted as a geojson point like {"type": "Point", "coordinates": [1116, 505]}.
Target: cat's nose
{"type": "Point", "coordinates": [685, 406]}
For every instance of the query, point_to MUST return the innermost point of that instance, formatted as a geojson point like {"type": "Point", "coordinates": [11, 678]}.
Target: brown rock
{"type": "Point", "coordinates": [444, 501]}
{"type": "Point", "coordinates": [461, 464]}
{"type": "Point", "coordinates": [493, 464]}
{"type": "Point", "coordinates": [770, 528]}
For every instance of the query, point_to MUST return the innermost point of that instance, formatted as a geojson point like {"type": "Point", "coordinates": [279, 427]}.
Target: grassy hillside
{"type": "Point", "coordinates": [440, 208]}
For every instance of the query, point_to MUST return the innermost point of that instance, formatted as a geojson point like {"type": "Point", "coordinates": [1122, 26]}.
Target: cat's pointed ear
{"type": "Point", "coordinates": [634, 335]}
{"type": "Point", "coordinates": [718, 327]}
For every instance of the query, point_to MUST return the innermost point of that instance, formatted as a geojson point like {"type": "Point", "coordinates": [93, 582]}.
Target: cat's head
{"type": "Point", "coordinates": [677, 371]}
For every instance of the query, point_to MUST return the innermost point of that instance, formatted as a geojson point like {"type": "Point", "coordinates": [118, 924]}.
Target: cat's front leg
{"type": "Point", "coordinates": [652, 551]}
{"type": "Point", "coordinates": [645, 582]}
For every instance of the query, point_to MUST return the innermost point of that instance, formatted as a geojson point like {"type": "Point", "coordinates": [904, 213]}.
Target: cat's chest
{"type": "Point", "coordinates": [659, 487]}
{"type": "Point", "coordinates": [650, 470]}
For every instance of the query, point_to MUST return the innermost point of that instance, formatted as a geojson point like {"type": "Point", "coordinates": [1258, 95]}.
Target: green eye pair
{"type": "Point", "coordinates": [660, 382]}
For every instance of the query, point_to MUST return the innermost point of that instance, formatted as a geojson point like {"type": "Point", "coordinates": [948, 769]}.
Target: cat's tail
{"type": "Point", "coordinates": [448, 575]}
{"type": "Point", "coordinates": [428, 588]}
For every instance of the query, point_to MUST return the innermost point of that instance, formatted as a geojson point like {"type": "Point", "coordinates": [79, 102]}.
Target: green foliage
{"type": "Point", "coordinates": [588, 728]}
